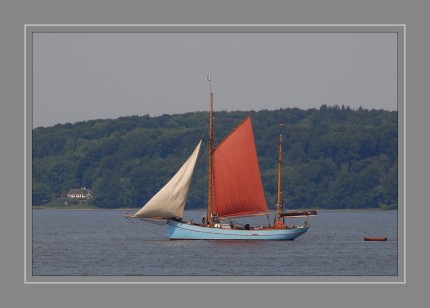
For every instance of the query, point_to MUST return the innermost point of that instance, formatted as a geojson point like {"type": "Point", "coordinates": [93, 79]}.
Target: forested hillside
{"type": "Point", "coordinates": [334, 157]}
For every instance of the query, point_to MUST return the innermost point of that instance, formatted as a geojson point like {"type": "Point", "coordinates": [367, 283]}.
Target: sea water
{"type": "Point", "coordinates": [103, 242]}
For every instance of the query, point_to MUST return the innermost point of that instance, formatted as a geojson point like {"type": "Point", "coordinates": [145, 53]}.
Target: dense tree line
{"type": "Point", "coordinates": [334, 157]}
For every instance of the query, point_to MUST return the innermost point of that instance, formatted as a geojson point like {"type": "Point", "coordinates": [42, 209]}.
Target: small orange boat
{"type": "Point", "coordinates": [376, 239]}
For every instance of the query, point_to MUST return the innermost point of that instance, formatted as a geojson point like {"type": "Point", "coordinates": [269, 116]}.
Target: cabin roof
{"type": "Point", "coordinates": [79, 191]}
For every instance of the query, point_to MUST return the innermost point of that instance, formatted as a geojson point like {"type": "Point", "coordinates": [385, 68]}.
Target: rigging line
{"type": "Point", "coordinates": [204, 132]}
{"type": "Point", "coordinates": [158, 223]}
{"type": "Point", "coordinates": [268, 219]}
{"type": "Point", "coordinates": [237, 223]}
{"type": "Point", "coordinates": [128, 217]}
{"type": "Point", "coordinates": [200, 157]}
{"type": "Point", "coordinates": [153, 232]}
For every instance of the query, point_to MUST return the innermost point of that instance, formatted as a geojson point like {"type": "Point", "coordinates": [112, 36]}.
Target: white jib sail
{"type": "Point", "coordinates": [169, 202]}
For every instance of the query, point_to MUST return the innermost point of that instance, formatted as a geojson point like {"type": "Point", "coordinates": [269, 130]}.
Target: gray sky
{"type": "Point", "coordinates": [83, 76]}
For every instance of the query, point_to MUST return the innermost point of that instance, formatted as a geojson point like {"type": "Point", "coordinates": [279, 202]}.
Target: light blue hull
{"type": "Point", "coordinates": [184, 231]}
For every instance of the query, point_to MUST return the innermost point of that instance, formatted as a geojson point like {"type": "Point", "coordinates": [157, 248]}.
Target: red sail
{"type": "Point", "coordinates": [237, 187]}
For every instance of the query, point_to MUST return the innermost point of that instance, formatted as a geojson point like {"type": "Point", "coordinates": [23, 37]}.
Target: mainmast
{"type": "Point", "coordinates": [279, 201]}
{"type": "Point", "coordinates": [210, 165]}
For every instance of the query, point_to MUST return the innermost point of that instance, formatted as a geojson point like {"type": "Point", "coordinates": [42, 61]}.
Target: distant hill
{"type": "Point", "coordinates": [334, 157]}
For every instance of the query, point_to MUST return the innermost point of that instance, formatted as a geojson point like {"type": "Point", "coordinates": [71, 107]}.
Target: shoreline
{"type": "Point", "coordinates": [136, 209]}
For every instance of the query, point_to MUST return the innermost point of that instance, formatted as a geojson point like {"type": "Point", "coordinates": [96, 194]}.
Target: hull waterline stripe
{"type": "Point", "coordinates": [230, 234]}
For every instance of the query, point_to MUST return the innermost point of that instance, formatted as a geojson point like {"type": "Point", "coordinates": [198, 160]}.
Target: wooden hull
{"type": "Point", "coordinates": [184, 231]}
{"type": "Point", "coordinates": [375, 239]}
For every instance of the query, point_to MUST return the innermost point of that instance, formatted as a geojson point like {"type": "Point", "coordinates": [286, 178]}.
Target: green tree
{"type": "Point", "coordinates": [107, 191]}
{"type": "Point", "coordinates": [41, 194]}
{"type": "Point", "coordinates": [334, 156]}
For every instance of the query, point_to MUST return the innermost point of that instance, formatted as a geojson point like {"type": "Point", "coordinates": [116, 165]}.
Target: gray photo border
{"type": "Point", "coordinates": [207, 28]}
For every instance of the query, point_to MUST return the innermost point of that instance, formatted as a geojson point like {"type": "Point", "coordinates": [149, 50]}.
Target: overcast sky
{"type": "Point", "coordinates": [83, 76]}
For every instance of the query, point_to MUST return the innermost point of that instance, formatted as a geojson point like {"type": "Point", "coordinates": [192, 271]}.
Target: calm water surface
{"type": "Point", "coordinates": [102, 242]}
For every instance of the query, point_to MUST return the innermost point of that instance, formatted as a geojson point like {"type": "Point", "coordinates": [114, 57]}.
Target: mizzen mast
{"type": "Point", "coordinates": [210, 163]}
{"type": "Point", "coordinates": [278, 221]}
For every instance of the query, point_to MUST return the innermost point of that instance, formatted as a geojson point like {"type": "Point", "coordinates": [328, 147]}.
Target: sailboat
{"type": "Point", "coordinates": [234, 190]}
